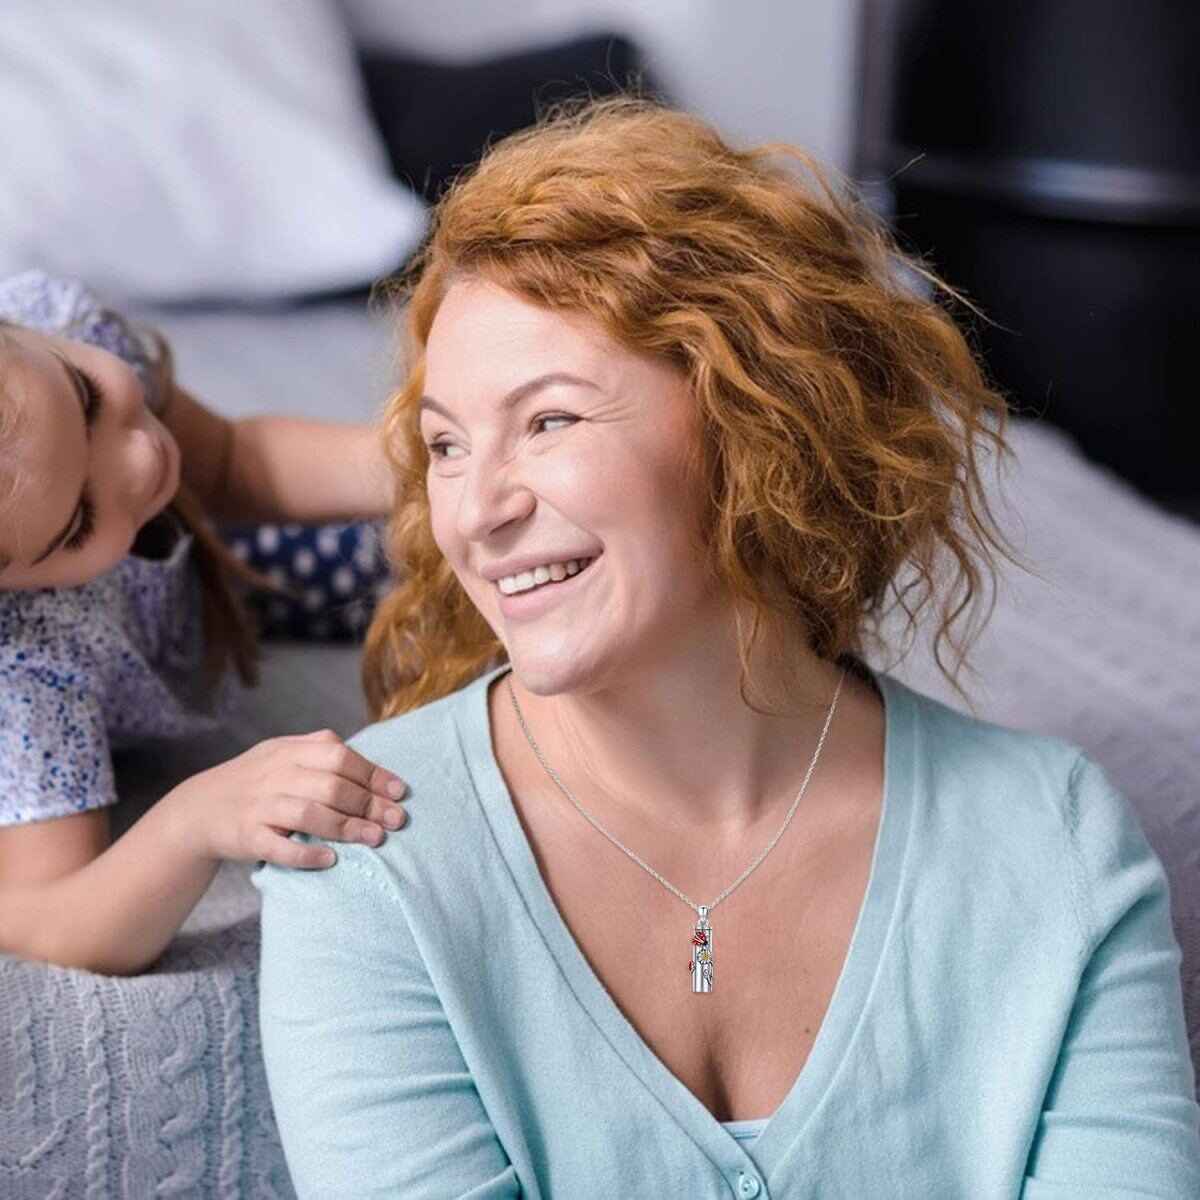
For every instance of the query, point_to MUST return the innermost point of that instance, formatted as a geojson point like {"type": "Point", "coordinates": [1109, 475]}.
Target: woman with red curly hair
{"type": "Point", "coordinates": [692, 900]}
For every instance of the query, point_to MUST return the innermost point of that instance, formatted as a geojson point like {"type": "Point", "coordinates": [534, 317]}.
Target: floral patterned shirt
{"type": "Point", "coordinates": [109, 662]}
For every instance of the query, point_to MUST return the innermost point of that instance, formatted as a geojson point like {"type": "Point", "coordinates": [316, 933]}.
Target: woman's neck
{"type": "Point", "coordinates": [675, 740]}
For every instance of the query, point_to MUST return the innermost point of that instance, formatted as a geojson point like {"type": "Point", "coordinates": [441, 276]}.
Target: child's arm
{"type": "Point", "coordinates": [275, 468]}
{"type": "Point", "coordinates": [116, 914]}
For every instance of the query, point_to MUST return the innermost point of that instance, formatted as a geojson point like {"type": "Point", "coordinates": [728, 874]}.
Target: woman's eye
{"type": "Point", "coordinates": [437, 448]}
{"type": "Point", "coordinates": [554, 417]}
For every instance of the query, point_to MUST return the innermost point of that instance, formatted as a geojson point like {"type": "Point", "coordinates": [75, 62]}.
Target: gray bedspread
{"type": "Point", "coordinates": [154, 1086]}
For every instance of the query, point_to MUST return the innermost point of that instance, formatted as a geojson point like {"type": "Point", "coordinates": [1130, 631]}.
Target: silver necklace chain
{"type": "Point", "coordinates": [703, 910]}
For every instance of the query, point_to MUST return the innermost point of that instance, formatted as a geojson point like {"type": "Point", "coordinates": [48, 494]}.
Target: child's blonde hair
{"type": "Point", "coordinates": [229, 628]}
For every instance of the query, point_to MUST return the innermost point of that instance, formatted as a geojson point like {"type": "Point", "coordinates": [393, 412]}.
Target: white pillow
{"type": "Point", "coordinates": [193, 149]}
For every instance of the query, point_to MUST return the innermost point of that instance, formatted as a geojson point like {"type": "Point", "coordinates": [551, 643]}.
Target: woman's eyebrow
{"type": "Point", "coordinates": [76, 384]}
{"type": "Point", "coordinates": [519, 393]}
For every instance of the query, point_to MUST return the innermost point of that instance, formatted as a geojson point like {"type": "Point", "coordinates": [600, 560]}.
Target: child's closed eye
{"type": "Point", "coordinates": [95, 395]}
{"type": "Point", "coordinates": [87, 522]}
{"type": "Point", "coordinates": [87, 506]}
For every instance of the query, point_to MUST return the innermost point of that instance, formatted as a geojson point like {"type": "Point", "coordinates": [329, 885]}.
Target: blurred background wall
{"type": "Point", "coordinates": [767, 69]}
{"type": "Point", "coordinates": [1041, 155]}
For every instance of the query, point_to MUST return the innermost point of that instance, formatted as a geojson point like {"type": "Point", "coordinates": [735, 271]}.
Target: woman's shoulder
{"type": "Point", "coordinates": [422, 740]}
{"type": "Point", "coordinates": [431, 749]}
{"type": "Point", "coordinates": [444, 849]}
{"type": "Point", "coordinates": [979, 762]}
{"type": "Point", "coordinates": [1034, 799]}
{"type": "Point", "coordinates": [1031, 814]}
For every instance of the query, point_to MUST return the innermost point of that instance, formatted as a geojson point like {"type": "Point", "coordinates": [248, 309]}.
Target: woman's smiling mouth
{"type": "Point", "coordinates": [523, 606]}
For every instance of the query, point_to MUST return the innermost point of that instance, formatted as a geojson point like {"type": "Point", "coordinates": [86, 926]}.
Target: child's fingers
{"type": "Point", "coordinates": [329, 753]}
{"type": "Point", "coordinates": [329, 817]}
{"type": "Point", "coordinates": [277, 848]}
{"type": "Point", "coordinates": [388, 813]}
{"type": "Point", "coordinates": [342, 795]}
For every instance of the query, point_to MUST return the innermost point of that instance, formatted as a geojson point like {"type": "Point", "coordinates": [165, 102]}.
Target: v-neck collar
{"type": "Point", "coordinates": [845, 1013]}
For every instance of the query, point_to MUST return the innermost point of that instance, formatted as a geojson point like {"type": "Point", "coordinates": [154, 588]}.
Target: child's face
{"type": "Point", "coordinates": [89, 470]}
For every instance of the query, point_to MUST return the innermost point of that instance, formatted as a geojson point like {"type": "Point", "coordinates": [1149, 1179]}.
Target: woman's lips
{"type": "Point", "coordinates": [524, 606]}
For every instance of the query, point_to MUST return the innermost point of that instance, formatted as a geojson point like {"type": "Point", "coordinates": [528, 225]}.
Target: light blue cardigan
{"type": "Point", "coordinates": [1008, 1021]}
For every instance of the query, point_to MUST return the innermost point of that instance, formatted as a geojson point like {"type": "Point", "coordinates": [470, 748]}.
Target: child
{"type": "Point", "coordinates": [119, 620]}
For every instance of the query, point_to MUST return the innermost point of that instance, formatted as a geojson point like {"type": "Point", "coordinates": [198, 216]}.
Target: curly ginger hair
{"type": "Point", "coordinates": [841, 409]}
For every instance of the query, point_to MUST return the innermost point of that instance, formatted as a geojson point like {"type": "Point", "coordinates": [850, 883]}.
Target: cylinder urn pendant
{"type": "Point", "coordinates": [701, 965]}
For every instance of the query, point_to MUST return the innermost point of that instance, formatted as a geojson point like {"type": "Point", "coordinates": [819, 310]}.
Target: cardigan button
{"type": "Point", "coordinates": [748, 1186]}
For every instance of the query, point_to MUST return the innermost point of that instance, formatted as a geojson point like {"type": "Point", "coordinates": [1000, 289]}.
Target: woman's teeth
{"type": "Point", "coordinates": [551, 573]}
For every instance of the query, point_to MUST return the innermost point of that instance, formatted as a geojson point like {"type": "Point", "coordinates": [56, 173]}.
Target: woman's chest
{"type": "Point", "coordinates": [778, 941]}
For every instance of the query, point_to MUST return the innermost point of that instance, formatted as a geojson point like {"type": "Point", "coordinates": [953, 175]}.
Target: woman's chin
{"type": "Point", "coordinates": [544, 671]}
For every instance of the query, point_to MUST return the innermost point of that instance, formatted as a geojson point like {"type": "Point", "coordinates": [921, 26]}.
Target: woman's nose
{"type": "Point", "coordinates": [491, 497]}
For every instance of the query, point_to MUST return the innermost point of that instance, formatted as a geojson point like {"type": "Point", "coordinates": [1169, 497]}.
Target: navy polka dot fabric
{"type": "Point", "coordinates": [337, 574]}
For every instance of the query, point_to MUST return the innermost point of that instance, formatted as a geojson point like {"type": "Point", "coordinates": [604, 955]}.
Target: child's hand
{"type": "Point", "coordinates": [244, 809]}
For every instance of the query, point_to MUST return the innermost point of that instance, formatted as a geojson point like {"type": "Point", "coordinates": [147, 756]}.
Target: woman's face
{"type": "Point", "coordinates": [93, 463]}
{"type": "Point", "coordinates": [582, 468]}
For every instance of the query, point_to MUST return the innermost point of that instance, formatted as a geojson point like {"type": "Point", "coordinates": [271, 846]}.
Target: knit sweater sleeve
{"type": "Point", "coordinates": [1120, 1119]}
{"type": "Point", "coordinates": [372, 1095]}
